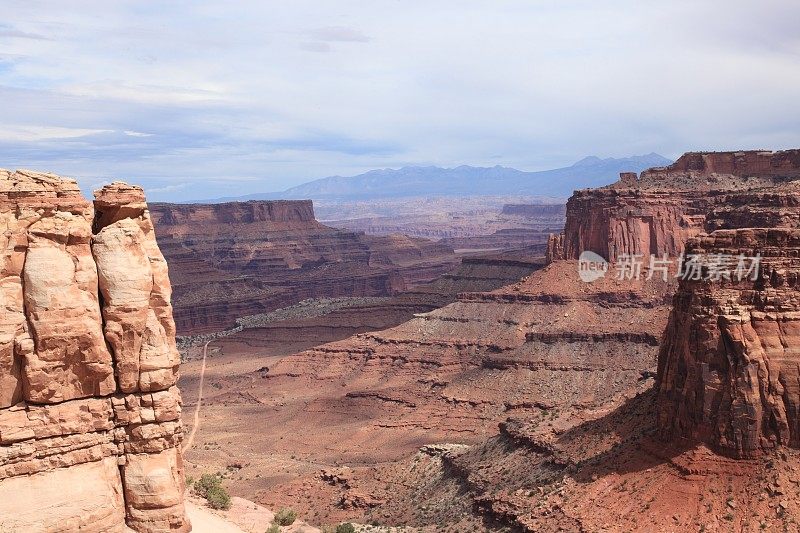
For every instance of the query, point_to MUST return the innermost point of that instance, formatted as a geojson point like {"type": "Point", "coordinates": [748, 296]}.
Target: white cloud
{"type": "Point", "coordinates": [166, 188]}
{"type": "Point", "coordinates": [233, 91]}
{"type": "Point", "coordinates": [131, 133]}
{"type": "Point", "coordinates": [17, 132]}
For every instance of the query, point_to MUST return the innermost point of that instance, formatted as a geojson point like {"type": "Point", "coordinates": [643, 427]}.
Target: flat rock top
{"type": "Point", "coordinates": [29, 181]}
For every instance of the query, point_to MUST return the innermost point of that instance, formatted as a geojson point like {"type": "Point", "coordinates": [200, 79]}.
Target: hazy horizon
{"type": "Point", "coordinates": [204, 100]}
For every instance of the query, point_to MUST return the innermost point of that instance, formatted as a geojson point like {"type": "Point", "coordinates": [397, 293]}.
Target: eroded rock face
{"type": "Point", "coordinates": [616, 221]}
{"type": "Point", "coordinates": [746, 163]}
{"type": "Point", "coordinates": [236, 259]}
{"type": "Point", "coordinates": [657, 212]}
{"type": "Point", "coordinates": [89, 414]}
{"type": "Point", "coordinates": [728, 366]}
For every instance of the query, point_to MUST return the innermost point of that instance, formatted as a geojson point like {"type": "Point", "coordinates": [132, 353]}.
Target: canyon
{"type": "Point", "coordinates": [668, 403]}
{"type": "Point", "coordinates": [474, 223]}
{"type": "Point", "coordinates": [501, 392]}
{"type": "Point", "coordinates": [90, 426]}
{"type": "Point", "coordinates": [234, 260]}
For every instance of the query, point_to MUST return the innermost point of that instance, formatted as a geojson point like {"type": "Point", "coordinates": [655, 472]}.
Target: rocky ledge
{"type": "Point", "coordinates": [728, 366]}
{"type": "Point", "coordinates": [657, 212]}
{"type": "Point", "coordinates": [89, 412]}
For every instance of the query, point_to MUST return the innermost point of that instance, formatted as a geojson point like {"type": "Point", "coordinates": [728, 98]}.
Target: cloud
{"type": "Point", "coordinates": [16, 132]}
{"type": "Point", "coordinates": [249, 97]}
{"type": "Point", "coordinates": [10, 32]}
{"type": "Point", "coordinates": [338, 34]}
{"type": "Point", "coordinates": [166, 188]}
{"type": "Point", "coordinates": [131, 133]}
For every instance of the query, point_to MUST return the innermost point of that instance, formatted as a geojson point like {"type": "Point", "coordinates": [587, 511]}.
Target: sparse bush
{"type": "Point", "coordinates": [285, 517]}
{"type": "Point", "coordinates": [205, 483]}
{"type": "Point", "coordinates": [274, 528]}
{"type": "Point", "coordinates": [218, 498]}
{"type": "Point", "coordinates": [347, 527]}
{"type": "Point", "coordinates": [209, 486]}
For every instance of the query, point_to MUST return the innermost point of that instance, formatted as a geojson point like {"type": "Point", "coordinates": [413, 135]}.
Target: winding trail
{"type": "Point", "coordinates": [188, 443]}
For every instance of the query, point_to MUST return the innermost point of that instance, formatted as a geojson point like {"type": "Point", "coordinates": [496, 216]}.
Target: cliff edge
{"type": "Point", "coordinates": [89, 412]}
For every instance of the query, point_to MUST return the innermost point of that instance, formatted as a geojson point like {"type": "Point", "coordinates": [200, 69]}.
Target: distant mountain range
{"type": "Point", "coordinates": [465, 181]}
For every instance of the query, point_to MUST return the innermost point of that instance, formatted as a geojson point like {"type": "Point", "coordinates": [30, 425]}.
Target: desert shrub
{"type": "Point", "coordinates": [218, 498]}
{"type": "Point", "coordinates": [347, 527]}
{"type": "Point", "coordinates": [206, 483]}
{"type": "Point", "coordinates": [285, 517]}
{"type": "Point", "coordinates": [209, 486]}
{"type": "Point", "coordinates": [274, 528]}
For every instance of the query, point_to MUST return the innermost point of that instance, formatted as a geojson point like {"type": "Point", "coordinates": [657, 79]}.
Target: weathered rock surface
{"type": "Point", "coordinates": [89, 414]}
{"type": "Point", "coordinates": [657, 212]}
{"type": "Point", "coordinates": [728, 366]}
{"type": "Point", "coordinates": [756, 164]}
{"type": "Point", "coordinates": [245, 258]}
{"type": "Point", "coordinates": [616, 221]}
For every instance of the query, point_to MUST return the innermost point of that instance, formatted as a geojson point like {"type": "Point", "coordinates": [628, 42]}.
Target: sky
{"type": "Point", "coordinates": [206, 99]}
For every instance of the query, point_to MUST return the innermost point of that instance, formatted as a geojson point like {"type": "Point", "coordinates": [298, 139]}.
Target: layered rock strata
{"type": "Point", "coordinates": [89, 411]}
{"type": "Point", "coordinates": [244, 258]}
{"type": "Point", "coordinates": [616, 221]}
{"type": "Point", "coordinates": [728, 366]}
{"type": "Point", "coordinates": [657, 212]}
{"type": "Point", "coordinates": [756, 164]}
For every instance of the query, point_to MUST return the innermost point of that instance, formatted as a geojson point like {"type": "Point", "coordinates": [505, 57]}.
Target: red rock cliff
{"type": "Point", "coordinates": [657, 212]}
{"type": "Point", "coordinates": [277, 211]}
{"type": "Point", "coordinates": [89, 412]}
{"type": "Point", "coordinates": [615, 221]}
{"type": "Point", "coordinates": [244, 258]}
{"type": "Point", "coordinates": [760, 163]}
{"type": "Point", "coordinates": [729, 363]}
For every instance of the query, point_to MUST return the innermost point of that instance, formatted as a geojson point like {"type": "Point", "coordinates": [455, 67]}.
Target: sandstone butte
{"type": "Point", "coordinates": [89, 409]}
{"type": "Point", "coordinates": [657, 212]}
{"type": "Point", "coordinates": [729, 362]}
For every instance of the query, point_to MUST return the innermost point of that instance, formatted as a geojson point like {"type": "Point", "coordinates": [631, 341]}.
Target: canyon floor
{"type": "Point", "coordinates": [356, 428]}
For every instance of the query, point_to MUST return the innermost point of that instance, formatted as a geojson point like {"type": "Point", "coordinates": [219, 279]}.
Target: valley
{"type": "Point", "coordinates": [525, 401]}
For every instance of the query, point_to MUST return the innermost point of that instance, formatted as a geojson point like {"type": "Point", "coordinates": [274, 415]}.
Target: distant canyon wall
{"type": "Point", "coordinates": [89, 412]}
{"type": "Point", "coordinates": [534, 210]}
{"type": "Point", "coordinates": [236, 259]}
{"type": "Point", "coordinates": [746, 163]}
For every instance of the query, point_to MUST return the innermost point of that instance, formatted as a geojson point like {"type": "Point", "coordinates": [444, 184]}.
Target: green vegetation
{"type": "Point", "coordinates": [209, 486]}
{"type": "Point", "coordinates": [285, 517]}
{"type": "Point", "coordinates": [274, 528]}
{"type": "Point", "coordinates": [345, 527]}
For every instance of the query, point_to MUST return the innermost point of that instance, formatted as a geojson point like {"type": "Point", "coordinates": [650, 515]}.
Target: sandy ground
{"type": "Point", "coordinates": [204, 521]}
{"type": "Point", "coordinates": [244, 516]}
